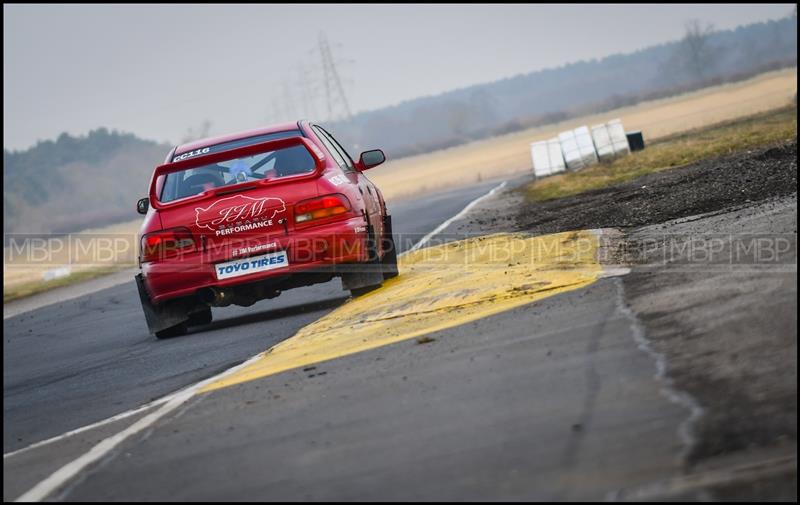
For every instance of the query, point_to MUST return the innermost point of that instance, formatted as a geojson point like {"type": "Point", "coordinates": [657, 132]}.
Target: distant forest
{"type": "Point", "coordinates": [75, 182]}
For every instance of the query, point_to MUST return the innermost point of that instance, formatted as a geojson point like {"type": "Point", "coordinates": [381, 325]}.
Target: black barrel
{"type": "Point", "coordinates": [635, 140]}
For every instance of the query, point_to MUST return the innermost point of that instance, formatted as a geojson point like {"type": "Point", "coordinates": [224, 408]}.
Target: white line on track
{"type": "Point", "coordinates": [166, 405]}
{"type": "Point", "coordinates": [88, 427]}
{"type": "Point", "coordinates": [461, 214]}
{"type": "Point", "coordinates": [61, 476]}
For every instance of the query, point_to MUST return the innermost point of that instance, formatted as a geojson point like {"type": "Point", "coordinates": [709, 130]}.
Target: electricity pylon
{"type": "Point", "coordinates": [334, 91]}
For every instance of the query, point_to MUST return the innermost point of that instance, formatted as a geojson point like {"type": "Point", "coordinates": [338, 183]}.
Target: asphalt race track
{"type": "Point", "coordinates": [535, 409]}
{"type": "Point", "coordinates": [79, 361]}
{"type": "Point", "coordinates": [535, 402]}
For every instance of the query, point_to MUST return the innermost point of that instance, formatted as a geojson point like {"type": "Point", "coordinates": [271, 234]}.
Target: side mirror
{"type": "Point", "coordinates": [142, 205]}
{"type": "Point", "coordinates": [371, 159]}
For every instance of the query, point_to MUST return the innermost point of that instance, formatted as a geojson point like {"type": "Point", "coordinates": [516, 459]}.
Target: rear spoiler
{"type": "Point", "coordinates": [207, 159]}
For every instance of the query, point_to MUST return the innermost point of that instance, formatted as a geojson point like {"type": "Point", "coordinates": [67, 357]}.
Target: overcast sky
{"type": "Point", "coordinates": [157, 70]}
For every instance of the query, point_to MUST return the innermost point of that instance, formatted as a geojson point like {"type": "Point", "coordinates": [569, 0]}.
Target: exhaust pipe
{"type": "Point", "coordinates": [222, 297]}
{"type": "Point", "coordinates": [216, 297]}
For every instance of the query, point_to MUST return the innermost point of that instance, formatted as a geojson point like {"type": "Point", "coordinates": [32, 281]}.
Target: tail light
{"type": "Point", "coordinates": [165, 244]}
{"type": "Point", "coordinates": [321, 208]}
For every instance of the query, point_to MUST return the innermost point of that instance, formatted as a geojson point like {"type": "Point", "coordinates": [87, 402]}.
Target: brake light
{"type": "Point", "coordinates": [321, 208]}
{"type": "Point", "coordinates": [164, 244]}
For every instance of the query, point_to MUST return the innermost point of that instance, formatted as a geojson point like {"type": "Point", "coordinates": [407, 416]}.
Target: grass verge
{"type": "Point", "coordinates": [33, 287]}
{"type": "Point", "coordinates": [672, 152]}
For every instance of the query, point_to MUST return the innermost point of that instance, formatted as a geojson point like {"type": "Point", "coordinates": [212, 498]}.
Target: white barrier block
{"type": "Point", "coordinates": [556, 156]}
{"type": "Point", "coordinates": [618, 138]}
{"type": "Point", "coordinates": [56, 273]}
{"type": "Point", "coordinates": [572, 153]}
{"type": "Point", "coordinates": [547, 157]}
{"type": "Point", "coordinates": [585, 145]}
{"type": "Point", "coordinates": [541, 159]}
{"type": "Point", "coordinates": [602, 142]}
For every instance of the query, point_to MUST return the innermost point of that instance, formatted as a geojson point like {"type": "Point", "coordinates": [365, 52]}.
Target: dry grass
{"type": "Point", "coordinates": [23, 289]}
{"type": "Point", "coordinates": [510, 154]}
{"type": "Point", "coordinates": [673, 151]}
{"type": "Point", "coordinates": [90, 253]}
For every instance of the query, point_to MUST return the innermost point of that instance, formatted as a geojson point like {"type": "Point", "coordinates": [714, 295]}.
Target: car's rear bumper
{"type": "Point", "coordinates": [320, 248]}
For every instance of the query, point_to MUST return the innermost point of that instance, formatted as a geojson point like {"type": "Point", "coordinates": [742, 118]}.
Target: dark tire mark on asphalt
{"type": "Point", "coordinates": [593, 385]}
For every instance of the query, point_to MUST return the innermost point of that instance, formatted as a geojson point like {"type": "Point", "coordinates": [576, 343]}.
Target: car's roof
{"type": "Point", "coordinates": [210, 141]}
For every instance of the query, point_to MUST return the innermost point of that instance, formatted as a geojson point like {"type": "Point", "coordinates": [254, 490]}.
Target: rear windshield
{"type": "Point", "coordinates": [295, 160]}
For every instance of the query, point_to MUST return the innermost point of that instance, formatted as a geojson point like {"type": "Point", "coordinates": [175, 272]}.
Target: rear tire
{"type": "Point", "coordinates": [355, 293]}
{"type": "Point", "coordinates": [173, 331]}
{"type": "Point", "coordinates": [200, 318]}
{"type": "Point", "coordinates": [167, 319]}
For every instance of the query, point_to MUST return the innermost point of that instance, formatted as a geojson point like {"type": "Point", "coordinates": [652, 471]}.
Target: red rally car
{"type": "Point", "coordinates": [240, 218]}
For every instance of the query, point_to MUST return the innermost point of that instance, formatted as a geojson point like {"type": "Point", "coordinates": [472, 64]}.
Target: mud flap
{"type": "Point", "coordinates": [365, 275]}
{"type": "Point", "coordinates": [163, 316]}
{"type": "Point", "coordinates": [362, 278]}
{"type": "Point", "coordinates": [389, 248]}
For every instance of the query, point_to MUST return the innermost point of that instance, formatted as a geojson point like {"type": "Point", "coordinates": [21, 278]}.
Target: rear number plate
{"type": "Point", "coordinates": [250, 265]}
